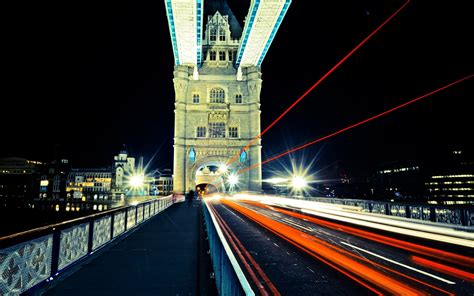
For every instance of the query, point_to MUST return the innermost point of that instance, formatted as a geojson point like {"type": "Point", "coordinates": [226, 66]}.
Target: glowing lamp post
{"type": "Point", "coordinates": [137, 181]}
{"type": "Point", "coordinates": [298, 182]}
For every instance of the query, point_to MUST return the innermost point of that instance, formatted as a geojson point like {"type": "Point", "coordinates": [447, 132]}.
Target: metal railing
{"type": "Point", "coordinates": [230, 280]}
{"type": "Point", "coordinates": [462, 216]}
{"type": "Point", "coordinates": [38, 255]}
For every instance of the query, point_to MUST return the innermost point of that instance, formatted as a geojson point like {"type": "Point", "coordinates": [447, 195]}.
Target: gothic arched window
{"type": "Point", "coordinates": [213, 34]}
{"type": "Point", "coordinates": [222, 34]}
{"type": "Point", "coordinates": [217, 95]}
{"type": "Point", "coordinates": [233, 132]}
{"type": "Point", "coordinates": [201, 132]}
{"type": "Point", "coordinates": [238, 99]}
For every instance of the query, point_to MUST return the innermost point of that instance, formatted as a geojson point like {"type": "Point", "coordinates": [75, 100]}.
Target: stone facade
{"type": "Point", "coordinates": [217, 112]}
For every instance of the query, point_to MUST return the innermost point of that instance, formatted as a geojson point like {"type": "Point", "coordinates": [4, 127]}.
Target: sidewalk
{"type": "Point", "coordinates": [160, 258]}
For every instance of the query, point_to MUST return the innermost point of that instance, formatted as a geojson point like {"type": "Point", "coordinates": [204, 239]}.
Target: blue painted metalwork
{"type": "Point", "coordinates": [274, 31]}
{"type": "Point", "coordinates": [199, 9]}
{"type": "Point", "coordinates": [169, 12]}
{"type": "Point", "coordinates": [229, 281]}
{"type": "Point", "coordinates": [251, 20]}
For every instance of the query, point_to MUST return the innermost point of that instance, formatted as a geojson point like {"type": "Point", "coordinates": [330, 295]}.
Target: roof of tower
{"type": "Point", "coordinates": [210, 8]}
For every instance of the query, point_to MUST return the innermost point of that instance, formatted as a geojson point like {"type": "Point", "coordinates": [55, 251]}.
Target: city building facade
{"type": "Point", "coordinates": [162, 183]}
{"type": "Point", "coordinates": [453, 181]}
{"type": "Point", "coordinates": [89, 184]}
{"type": "Point", "coordinates": [18, 179]}
{"type": "Point", "coordinates": [124, 166]}
{"type": "Point", "coordinates": [53, 180]}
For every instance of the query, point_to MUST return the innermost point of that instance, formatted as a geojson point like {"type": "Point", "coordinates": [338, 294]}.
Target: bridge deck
{"type": "Point", "coordinates": [162, 257]}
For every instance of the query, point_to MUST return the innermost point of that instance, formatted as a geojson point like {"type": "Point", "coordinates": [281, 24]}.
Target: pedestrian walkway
{"type": "Point", "coordinates": [159, 258]}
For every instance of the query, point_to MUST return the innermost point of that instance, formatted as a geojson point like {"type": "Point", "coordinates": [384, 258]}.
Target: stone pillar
{"type": "Point", "coordinates": [254, 83]}
{"type": "Point", "coordinates": [181, 81]}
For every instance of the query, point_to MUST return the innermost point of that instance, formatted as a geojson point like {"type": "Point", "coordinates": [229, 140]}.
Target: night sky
{"type": "Point", "coordinates": [83, 78]}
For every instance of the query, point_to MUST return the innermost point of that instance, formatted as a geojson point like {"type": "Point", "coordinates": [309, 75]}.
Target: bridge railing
{"type": "Point", "coordinates": [37, 256]}
{"type": "Point", "coordinates": [456, 215]}
{"type": "Point", "coordinates": [229, 278]}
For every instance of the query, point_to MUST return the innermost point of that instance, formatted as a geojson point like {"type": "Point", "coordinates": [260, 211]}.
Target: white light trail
{"type": "Point", "coordinates": [400, 264]}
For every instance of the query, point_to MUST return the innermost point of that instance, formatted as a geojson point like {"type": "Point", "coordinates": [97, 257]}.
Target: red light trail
{"type": "Point", "coordinates": [355, 125]}
{"type": "Point", "coordinates": [365, 275]}
{"type": "Point", "coordinates": [321, 80]}
{"type": "Point", "coordinates": [443, 268]}
{"type": "Point", "coordinates": [411, 247]}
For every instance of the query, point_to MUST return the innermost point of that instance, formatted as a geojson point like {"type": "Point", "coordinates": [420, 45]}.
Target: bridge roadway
{"type": "Point", "coordinates": [341, 262]}
{"type": "Point", "coordinates": [165, 256]}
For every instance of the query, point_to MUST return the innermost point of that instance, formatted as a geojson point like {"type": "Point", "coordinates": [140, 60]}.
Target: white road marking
{"type": "Point", "coordinates": [401, 264]}
{"type": "Point", "coordinates": [297, 225]}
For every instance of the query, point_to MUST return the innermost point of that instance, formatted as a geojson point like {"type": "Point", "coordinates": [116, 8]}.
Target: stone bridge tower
{"type": "Point", "coordinates": [217, 82]}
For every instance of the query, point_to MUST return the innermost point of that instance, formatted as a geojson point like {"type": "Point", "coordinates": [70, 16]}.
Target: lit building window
{"type": "Point", "coordinates": [221, 35]}
{"type": "Point", "coordinates": [212, 55]}
{"type": "Point", "coordinates": [453, 176]}
{"type": "Point", "coordinates": [216, 130]}
{"type": "Point", "coordinates": [196, 99]}
{"type": "Point", "coordinates": [217, 95]}
{"type": "Point", "coordinates": [233, 132]}
{"type": "Point", "coordinates": [222, 55]}
{"type": "Point", "coordinates": [201, 132]}
{"type": "Point", "coordinates": [238, 99]}
{"type": "Point", "coordinates": [213, 33]}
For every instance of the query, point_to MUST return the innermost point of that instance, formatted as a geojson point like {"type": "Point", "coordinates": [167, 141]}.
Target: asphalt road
{"type": "Point", "coordinates": [295, 272]}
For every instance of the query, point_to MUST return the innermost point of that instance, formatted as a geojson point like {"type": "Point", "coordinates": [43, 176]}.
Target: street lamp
{"type": "Point", "coordinates": [298, 182]}
{"type": "Point", "coordinates": [233, 179]}
{"type": "Point", "coordinates": [136, 181]}
{"type": "Point", "coordinates": [223, 168]}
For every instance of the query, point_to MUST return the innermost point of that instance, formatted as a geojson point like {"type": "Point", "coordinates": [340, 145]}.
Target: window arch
{"type": "Point", "coordinates": [222, 34]}
{"type": "Point", "coordinates": [201, 132]}
{"type": "Point", "coordinates": [238, 99]}
{"type": "Point", "coordinates": [213, 34]}
{"type": "Point", "coordinates": [212, 55]}
{"type": "Point", "coordinates": [196, 98]}
{"type": "Point", "coordinates": [217, 95]}
{"type": "Point", "coordinates": [221, 55]}
{"type": "Point", "coordinates": [233, 132]}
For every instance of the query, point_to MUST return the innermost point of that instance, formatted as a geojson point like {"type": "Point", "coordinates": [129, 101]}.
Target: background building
{"type": "Point", "coordinates": [163, 182]}
{"type": "Point", "coordinates": [89, 184]}
{"type": "Point", "coordinates": [53, 180]}
{"type": "Point", "coordinates": [124, 165]}
{"type": "Point", "coordinates": [18, 178]}
{"type": "Point", "coordinates": [400, 180]}
{"type": "Point", "coordinates": [453, 180]}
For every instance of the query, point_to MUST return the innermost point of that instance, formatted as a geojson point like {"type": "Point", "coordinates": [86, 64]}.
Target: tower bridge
{"type": "Point", "coordinates": [217, 81]}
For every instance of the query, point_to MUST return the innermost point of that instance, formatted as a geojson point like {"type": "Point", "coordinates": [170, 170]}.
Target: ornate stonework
{"type": "Point", "coordinates": [216, 127]}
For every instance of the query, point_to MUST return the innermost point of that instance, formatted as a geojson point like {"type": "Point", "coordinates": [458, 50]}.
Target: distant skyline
{"type": "Point", "coordinates": [90, 77]}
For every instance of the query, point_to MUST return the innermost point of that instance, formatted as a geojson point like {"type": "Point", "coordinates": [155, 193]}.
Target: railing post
{"type": "Point", "coordinates": [112, 219]}
{"type": "Point", "coordinates": [433, 214]}
{"type": "Point", "coordinates": [126, 221]}
{"type": "Point", "coordinates": [55, 251]}
{"type": "Point", "coordinates": [91, 236]}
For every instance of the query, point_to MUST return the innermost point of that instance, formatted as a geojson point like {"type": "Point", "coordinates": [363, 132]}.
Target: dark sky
{"type": "Point", "coordinates": [89, 76]}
